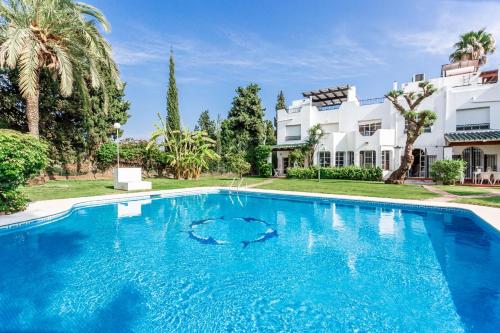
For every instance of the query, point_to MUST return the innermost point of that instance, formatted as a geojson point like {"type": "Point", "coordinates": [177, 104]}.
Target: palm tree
{"type": "Point", "coordinates": [187, 153]}
{"type": "Point", "coordinates": [59, 36]}
{"type": "Point", "coordinates": [474, 45]}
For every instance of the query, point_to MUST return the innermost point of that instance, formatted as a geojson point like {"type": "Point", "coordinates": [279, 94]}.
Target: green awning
{"type": "Point", "coordinates": [473, 136]}
{"type": "Point", "coordinates": [288, 146]}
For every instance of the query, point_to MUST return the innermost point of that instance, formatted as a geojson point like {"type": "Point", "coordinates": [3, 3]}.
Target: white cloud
{"type": "Point", "coordinates": [447, 21]}
{"type": "Point", "coordinates": [248, 56]}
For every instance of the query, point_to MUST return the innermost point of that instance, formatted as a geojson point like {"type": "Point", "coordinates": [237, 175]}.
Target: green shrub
{"type": "Point", "coordinates": [236, 163]}
{"type": "Point", "coordinates": [22, 156]}
{"type": "Point", "coordinates": [447, 171]}
{"type": "Point", "coordinates": [12, 201]}
{"type": "Point", "coordinates": [348, 172]}
{"type": "Point", "coordinates": [302, 173]}
{"type": "Point", "coordinates": [106, 156]}
{"type": "Point", "coordinates": [262, 154]}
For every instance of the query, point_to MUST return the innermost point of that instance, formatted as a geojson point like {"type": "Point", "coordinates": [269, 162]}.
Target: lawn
{"type": "Point", "coordinates": [463, 190]}
{"type": "Point", "coordinates": [61, 189]}
{"type": "Point", "coordinates": [488, 201]}
{"type": "Point", "coordinates": [350, 187]}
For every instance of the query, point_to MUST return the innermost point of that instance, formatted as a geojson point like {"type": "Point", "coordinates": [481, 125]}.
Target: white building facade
{"type": "Point", "coordinates": [372, 132]}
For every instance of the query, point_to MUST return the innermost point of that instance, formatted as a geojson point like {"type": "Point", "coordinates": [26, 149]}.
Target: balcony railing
{"type": "Point", "coordinates": [370, 101]}
{"type": "Point", "coordinates": [292, 137]}
{"type": "Point", "coordinates": [329, 107]}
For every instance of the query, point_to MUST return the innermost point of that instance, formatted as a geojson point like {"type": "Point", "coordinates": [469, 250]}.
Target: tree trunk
{"type": "Point", "coordinates": [399, 175]}
{"type": "Point", "coordinates": [32, 111]}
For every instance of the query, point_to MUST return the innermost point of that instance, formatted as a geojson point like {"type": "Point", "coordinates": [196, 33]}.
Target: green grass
{"type": "Point", "coordinates": [61, 189]}
{"type": "Point", "coordinates": [462, 190]}
{"type": "Point", "coordinates": [488, 201]}
{"type": "Point", "coordinates": [350, 187]}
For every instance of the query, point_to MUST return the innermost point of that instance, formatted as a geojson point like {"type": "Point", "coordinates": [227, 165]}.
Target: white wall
{"type": "Point", "coordinates": [451, 95]}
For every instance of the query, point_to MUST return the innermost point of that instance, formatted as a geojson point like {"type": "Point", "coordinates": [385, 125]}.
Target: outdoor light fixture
{"type": "Point", "coordinates": [117, 127]}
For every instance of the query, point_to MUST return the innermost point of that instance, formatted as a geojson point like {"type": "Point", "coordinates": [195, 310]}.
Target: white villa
{"type": "Point", "coordinates": [372, 133]}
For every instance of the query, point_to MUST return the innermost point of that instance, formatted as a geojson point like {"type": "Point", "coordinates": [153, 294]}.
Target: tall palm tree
{"type": "Point", "coordinates": [474, 45]}
{"type": "Point", "coordinates": [60, 36]}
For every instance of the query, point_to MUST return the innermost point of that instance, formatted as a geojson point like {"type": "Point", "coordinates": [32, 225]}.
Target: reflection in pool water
{"type": "Point", "coordinates": [335, 266]}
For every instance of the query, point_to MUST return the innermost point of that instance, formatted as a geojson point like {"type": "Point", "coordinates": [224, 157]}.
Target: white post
{"type": "Point", "coordinates": [117, 127]}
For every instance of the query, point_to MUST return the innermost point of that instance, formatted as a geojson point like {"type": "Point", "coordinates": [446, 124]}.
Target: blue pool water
{"type": "Point", "coordinates": [223, 262]}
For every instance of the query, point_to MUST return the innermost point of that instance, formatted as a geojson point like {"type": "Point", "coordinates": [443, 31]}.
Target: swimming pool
{"type": "Point", "coordinates": [251, 262]}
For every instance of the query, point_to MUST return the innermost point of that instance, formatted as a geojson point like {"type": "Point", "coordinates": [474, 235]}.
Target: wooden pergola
{"type": "Point", "coordinates": [328, 96]}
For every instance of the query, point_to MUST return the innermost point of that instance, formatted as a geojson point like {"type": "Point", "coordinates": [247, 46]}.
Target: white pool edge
{"type": "Point", "coordinates": [47, 208]}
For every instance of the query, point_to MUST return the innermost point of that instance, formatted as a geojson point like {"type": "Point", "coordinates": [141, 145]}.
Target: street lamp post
{"type": "Point", "coordinates": [117, 126]}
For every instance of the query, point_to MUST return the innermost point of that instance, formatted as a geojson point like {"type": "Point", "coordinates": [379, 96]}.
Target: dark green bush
{"type": "Point", "coordinates": [447, 171]}
{"type": "Point", "coordinates": [348, 172]}
{"type": "Point", "coordinates": [262, 154]}
{"type": "Point", "coordinates": [22, 156]}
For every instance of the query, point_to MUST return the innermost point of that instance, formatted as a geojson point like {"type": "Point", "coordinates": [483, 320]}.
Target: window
{"type": "Point", "coordinates": [324, 159]}
{"type": "Point", "coordinates": [330, 127]}
{"type": "Point", "coordinates": [490, 162]}
{"type": "Point", "coordinates": [473, 119]}
{"type": "Point", "coordinates": [340, 158]}
{"type": "Point", "coordinates": [367, 158]}
{"type": "Point", "coordinates": [350, 158]}
{"type": "Point", "coordinates": [430, 161]}
{"type": "Point", "coordinates": [427, 129]}
{"type": "Point", "coordinates": [369, 129]}
{"type": "Point", "coordinates": [471, 127]}
{"type": "Point", "coordinates": [292, 132]}
{"type": "Point", "coordinates": [386, 162]}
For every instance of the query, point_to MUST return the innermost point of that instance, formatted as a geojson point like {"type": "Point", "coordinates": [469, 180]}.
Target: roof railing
{"type": "Point", "coordinates": [329, 107]}
{"type": "Point", "coordinates": [370, 101]}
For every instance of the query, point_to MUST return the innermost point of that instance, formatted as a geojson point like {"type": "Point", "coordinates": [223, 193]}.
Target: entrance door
{"type": "Point", "coordinates": [285, 164]}
{"type": "Point", "coordinates": [418, 167]}
{"type": "Point", "coordinates": [473, 156]}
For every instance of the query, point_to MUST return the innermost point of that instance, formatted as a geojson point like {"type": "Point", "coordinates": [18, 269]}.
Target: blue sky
{"type": "Point", "coordinates": [291, 45]}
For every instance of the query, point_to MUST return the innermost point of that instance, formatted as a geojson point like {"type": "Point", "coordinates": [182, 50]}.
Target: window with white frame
{"type": "Point", "coordinates": [340, 158]}
{"type": "Point", "coordinates": [292, 132]}
{"type": "Point", "coordinates": [473, 119]}
{"type": "Point", "coordinates": [367, 158]}
{"type": "Point", "coordinates": [324, 159]}
{"type": "Point", "coordinates": [368, 129]}
{"type": "Point", "coordinates": [350, 158]}
{"type": "Point", "coordinates": [386, 161]}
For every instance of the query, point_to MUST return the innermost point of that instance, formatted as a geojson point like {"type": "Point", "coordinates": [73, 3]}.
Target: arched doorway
{"type": "Point", "coordinates": [418, 167]}
{"type": "Point", "coordinates": [474, 157]}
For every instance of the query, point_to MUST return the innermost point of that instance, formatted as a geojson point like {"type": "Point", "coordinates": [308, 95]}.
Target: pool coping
{"type": "Point", "coordinates": [53, 208]}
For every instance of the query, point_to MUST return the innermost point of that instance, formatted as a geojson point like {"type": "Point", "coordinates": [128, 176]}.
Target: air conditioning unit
{"type": "Point", "coordinates": [418, 77]}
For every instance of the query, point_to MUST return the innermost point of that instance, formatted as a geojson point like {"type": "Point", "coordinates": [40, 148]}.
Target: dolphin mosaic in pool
{"type": "Point", "coordinates": [270, 233]}
{"type": "Point", "coordinates": [211, 240]}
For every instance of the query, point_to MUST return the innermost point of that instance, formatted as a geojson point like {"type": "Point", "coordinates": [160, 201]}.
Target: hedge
{"type": "Point", "coordinates": [348, 172]}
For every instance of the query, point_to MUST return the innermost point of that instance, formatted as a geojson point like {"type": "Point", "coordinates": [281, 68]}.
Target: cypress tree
{"type": "Point", "coordinates": [280, 104]}
{"type": "Point", "coordinates": [173, 116]}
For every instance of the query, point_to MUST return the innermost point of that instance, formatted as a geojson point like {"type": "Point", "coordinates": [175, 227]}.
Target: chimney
{"type": "Point", "coordinates": [394, 85]}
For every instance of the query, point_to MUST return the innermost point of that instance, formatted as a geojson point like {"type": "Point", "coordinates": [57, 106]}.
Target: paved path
{"type": "Point", "coordinates": [265, 182]}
